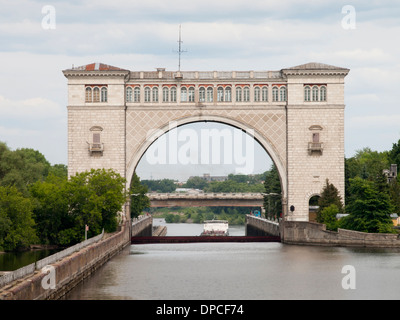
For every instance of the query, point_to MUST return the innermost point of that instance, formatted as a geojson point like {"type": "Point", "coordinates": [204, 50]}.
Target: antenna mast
{"type": "Point", "coordinates": [180, 51]}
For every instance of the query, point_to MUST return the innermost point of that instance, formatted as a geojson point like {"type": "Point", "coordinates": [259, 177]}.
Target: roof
{"type": "Point", "coordinates": [316, 66]}
{"type": "Point", "coordinates": [97, 67]}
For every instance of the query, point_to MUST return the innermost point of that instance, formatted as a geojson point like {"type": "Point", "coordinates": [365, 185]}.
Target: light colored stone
{"type": "Point", "coordinates": [283, 128]}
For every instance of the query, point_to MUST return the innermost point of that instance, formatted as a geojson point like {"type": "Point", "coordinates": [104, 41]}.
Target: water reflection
{"type": "Point", "coordinates": [10, 261]}
{"type": "Point", "coordinates": [207, 271]}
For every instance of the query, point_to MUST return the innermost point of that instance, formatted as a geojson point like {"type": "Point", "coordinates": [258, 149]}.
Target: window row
{"type": "Point", "coordinates": [96, 94]}
{"type": "Point", "coordinates": [206, 94]}
{"type": "Point", "coordinates": [315, 93]}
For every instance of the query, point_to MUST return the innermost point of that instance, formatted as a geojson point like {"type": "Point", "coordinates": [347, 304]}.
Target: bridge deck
{"type": "Point", "coordinates": [192, 239]}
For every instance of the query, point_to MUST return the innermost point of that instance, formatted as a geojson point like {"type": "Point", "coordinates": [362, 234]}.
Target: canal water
{"type": "Point", "coordinates": [242, 271]}
{"type": "Point", "coordinates": [10, 261]}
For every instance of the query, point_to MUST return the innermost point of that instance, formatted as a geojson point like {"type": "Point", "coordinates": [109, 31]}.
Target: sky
{"type": "Point", "coordinates": [39, 39]}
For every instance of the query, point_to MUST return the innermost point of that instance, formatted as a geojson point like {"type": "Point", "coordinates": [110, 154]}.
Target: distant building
{"type": "Point", "coordinates": [210, 178]}
{"type": "Point", "coordinates": [188, 190]}
{"type": "Point", "coordinates": [392, 173]}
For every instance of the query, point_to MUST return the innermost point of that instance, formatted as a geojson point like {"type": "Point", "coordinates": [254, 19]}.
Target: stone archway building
{"type": "Point", "coordinates": [296, 114]}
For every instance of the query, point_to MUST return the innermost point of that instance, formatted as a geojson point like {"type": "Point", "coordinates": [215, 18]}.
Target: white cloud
{"type": "Point", "coordinates": [29, 108]}
{"type": "Point", "coordinates": [380, 120]}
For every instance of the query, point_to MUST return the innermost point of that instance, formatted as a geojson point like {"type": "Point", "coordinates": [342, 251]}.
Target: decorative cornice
{"type": "Point", "coordinates": [82, 73]}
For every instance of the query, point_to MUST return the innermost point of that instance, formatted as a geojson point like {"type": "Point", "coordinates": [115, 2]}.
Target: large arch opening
{"type": "Point", "coordinates": [209, 149]}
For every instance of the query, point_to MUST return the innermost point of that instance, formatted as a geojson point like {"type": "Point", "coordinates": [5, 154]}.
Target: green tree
{"type": "Point", "coordinates": [51, 208]}
{"type": "Point", "coordinates": [95, 198]}
{"type": "Point", "coordinates": [272, 187]}
{"type": "Point", "coordinates": [329, 195]}
{"type": "Point", "coordinates": [328, 217]}
{"type": "Point", "coordinates": [394, 154]}
{"type": "Point", "coordinates": [195, 183]}
{"type": "Point", "coordinates": [139, 200]}
{"type": "Point", "coordinates": [22, 167]}
{"type": "Point", "coordinates": [369, 209]}
{"type": "Point", "coordinates": [162, 186]}
{"type": "Point", "coordinates": [394, 192]}
{"type": "Point", "coordinates": [16, 222]}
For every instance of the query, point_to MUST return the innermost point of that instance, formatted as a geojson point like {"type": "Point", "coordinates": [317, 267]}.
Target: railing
{"type": "Point", "coordinates": [315, 146]}
{"type": "Point", "coordinates": [38, 265]}
{"type": "Point", "coordinates": [96, 147]}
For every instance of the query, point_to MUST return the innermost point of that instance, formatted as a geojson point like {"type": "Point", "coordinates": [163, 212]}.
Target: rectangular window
{"type": "Point", "coordinates": [96, 138]}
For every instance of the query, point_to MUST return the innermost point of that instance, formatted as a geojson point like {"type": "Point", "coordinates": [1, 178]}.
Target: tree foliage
{"type": "Point", "coordinates": [329, 196]}
{"type": "Point", "coordinates": [63, 207]}
{"type": "Point", "coordinates": [162, 186]}
{"type": "Point", "coordinates": [17, 227]}
{"type": "Point", "coordinates": [369, 208]}
{"type": "Point", "coordinates": [272, 186]}
{"type": "Point", "coordinates": [139, 200]}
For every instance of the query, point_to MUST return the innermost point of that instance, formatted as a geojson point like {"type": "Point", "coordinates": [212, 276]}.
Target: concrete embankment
{"type": "Point", "coordinates": [55, 279]}
{"type": "Point", "coordinates": [159, 231]}
{"type": "Point", "coordinates": [313, 233]}
{"type": "Point", "coordinates": [256, 226]}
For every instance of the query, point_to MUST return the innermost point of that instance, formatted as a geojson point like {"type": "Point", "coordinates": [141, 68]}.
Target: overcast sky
{"type": "Point", "coordinates": [217, 35]}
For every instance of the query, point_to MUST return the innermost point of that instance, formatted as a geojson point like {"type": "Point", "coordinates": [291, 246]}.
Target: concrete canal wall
{"type": "Point", "coordinates": [256, 226]}
{"type": "Point", "coordinates": [56, 278]}
{"type": "Point", "coordinates": [312, 233]}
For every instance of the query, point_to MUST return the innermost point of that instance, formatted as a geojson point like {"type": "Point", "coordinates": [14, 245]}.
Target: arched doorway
{"type": "Point", "coordinates": [313, 207]}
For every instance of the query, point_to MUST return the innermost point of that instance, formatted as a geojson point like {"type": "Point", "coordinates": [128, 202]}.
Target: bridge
{"type": "Point", "coordinates": [206, 199]}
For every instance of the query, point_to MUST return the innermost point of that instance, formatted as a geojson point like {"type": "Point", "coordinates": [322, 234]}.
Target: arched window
{"type": "Point", "coordinates": [307, 93]}
{"type": "Point", "coordinates": [315, 93]}
{"type": "Point", "coordinates": [282, 92]}
{"type": "Point", "coordinates": [275, 94]}
{"type": "Point", "coordinates": [257, 94]}
{"type": "Point", "coordinates": [246, 94]}
{"type": "Point", "coordinates": [220, 94]}
{"type": "Point", "coordinates": [136, 94]}
{"type": "Point", "coordinates": [165, 94]}
{"type": "Point", "coordinates": [191, 94]}
{"type": "Point", "coordinates": [238, 94]}
{"type": "Point", "coordinates": [264, 93]}
{"type": "Point", "coordinates": [322, 93]}
{"type": "Point", "coordinates": [88, 94]}
{"type": "Point", "coordinates": [129, 94]}
{"type": "Point", "coordinates": [202, 94]}
{"type": "Point", "coordinates": [173, 94]}
{"type": "Point", "coordinates": [155, 94]}
{"type": "Point", "coordinates": [228, 94]}
{"type": "Point", "coordinates": [210, 94]}
{"type": "Point", "coordinates": [147, 94]}
{"type": "Point", "coordinates": [184, 94]}
{"type": "Point", "coordinates": [104, 94]}
{"type": "Point", "coordinates": [96, 94]}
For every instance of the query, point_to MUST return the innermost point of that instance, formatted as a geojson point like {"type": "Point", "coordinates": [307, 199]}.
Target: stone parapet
{"type": "Point", "coordinates": [312, 233]}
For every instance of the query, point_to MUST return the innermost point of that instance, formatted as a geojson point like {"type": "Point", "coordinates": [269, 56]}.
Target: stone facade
{"type": "Point", "coordinates": [303, 135]}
